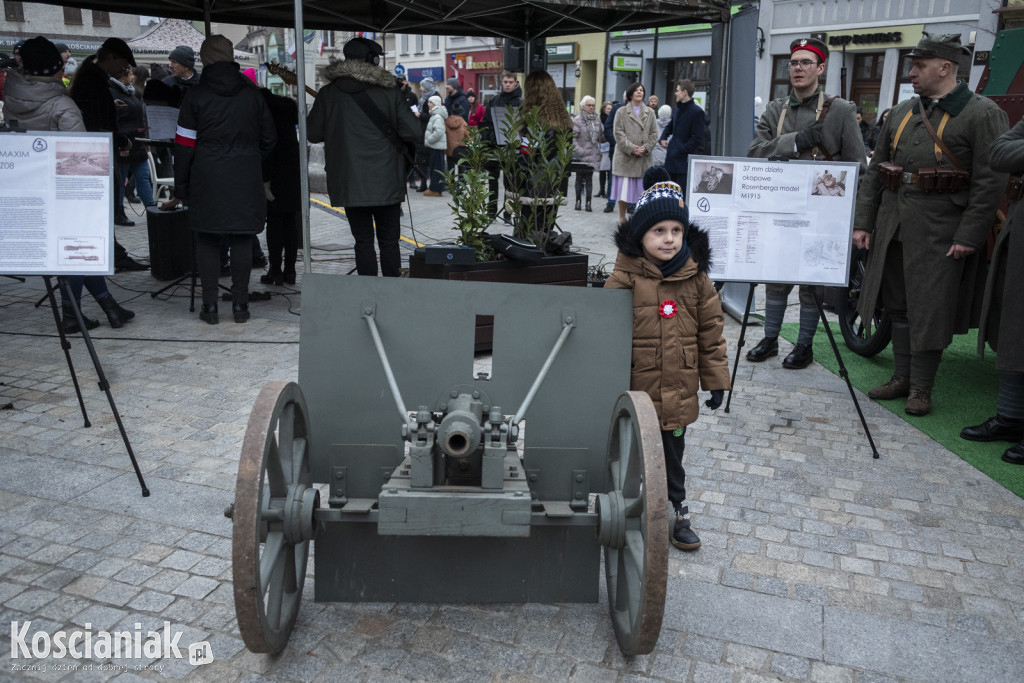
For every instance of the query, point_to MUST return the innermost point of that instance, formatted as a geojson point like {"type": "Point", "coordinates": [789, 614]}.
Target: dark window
{"type": "Point", "coordinates": [73, 15]}
{"type": "Point", "coordinates": [100, 18]}
{"type": "Point", "coordinates": [13, 11]}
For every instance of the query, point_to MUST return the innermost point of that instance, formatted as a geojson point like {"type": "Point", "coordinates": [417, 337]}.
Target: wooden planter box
{"type": "Point", "coordinates": [552, 270]}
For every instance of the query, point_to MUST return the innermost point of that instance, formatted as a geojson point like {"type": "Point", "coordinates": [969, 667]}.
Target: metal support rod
{"type": "Point", "coordinates": [567, 326]}
{"type": "Point", "coordinates": [300, 76]}
{"type": "Point", "coordinates": [739, 346]}
{"type": "Point", "coordinates": [382, 354]}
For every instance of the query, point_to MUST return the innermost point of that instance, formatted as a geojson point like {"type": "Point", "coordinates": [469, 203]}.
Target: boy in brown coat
{"type": "Point", "coordinates": [677, 326]}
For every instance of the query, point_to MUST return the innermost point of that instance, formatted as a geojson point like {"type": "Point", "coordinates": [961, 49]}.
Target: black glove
{"type": "Point", "coordinates": [809, 137]}
{"type": "Point", "coordinates": [716, 399]}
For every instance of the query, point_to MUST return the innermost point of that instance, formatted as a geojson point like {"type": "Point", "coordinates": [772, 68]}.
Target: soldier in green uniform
{"type": "Point", "coordinates": [807, 125]}
{"type": "Point", "coordinates": [924, 210]}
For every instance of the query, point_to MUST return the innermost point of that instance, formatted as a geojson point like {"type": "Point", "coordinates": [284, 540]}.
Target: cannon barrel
{"type": "Point", "coordinates": [460, 433]}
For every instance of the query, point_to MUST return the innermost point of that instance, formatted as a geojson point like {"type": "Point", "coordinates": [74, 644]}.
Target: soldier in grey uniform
{"type": "Point", "coordinates": [807, 125]}
{"type": "Point", "coordinates": [924, 210]}
{"type": "Point", "coordinates": [1002, 315]}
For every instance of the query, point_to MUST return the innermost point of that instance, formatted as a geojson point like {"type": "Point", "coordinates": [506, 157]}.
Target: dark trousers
{"type": "Point", "coordinates": [493, 174]}
{"type": "Point", "coordinates": [389, 229]}
{"type": "Point", "coordinates": [282, 236]}
{"type": "Point", "coordinates": [603, 182]}
{"type": "Point", "coordinates": [584, 184]}
{"type": "Point", "coordinates": [208, 259]}
{"type": "Point", "coordinates": [674, 472]}
{"type": "Point", "coordinates": [96, 284]}
{"type": "Point", "coordinates": [436, 180]}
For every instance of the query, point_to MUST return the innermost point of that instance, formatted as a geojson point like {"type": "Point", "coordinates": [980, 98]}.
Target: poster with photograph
{"type": "Point", "coordinates": [775, 221]}
{"type": "Point", "coordinates": [56, 209]}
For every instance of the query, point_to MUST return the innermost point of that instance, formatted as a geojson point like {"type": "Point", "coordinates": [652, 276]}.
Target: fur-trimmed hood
{"type": "Point", "coordinates": [696, 239]}
{"type": "Point", "coordinates": [361, 73]}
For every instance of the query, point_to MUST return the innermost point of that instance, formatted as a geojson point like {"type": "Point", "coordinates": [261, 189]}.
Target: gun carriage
{"type": "Point", "coordinates": [431, 489]}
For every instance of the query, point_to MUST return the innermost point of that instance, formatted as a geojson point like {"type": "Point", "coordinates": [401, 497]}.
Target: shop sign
{"type": "Point", "coordinates": [885, 36]}
{"type": "Point", "coordinates": [627, 62]}
{"type": "Point", "coordinates": [562, 52]}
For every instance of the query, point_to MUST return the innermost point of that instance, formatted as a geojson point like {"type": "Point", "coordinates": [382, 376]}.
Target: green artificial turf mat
{"type": "Point", "coordinates": [964, 394]}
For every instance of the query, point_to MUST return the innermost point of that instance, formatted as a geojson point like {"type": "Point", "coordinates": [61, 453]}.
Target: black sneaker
{"type": "Point", "coordinates": [123, 221]}
{"type": "Point", "coordinates": [683, 536]}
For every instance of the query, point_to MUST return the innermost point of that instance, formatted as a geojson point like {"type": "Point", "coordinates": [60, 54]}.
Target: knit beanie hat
{"type": "Point", "coordinates": [250, 73]}
{"type": "Point", "coordinates": [183, 55]}
{"type": "Point", "coordinates": [215, 49]}
{"type": "Point", "coordinates": [454, 82]}
{"type": "Point", "coordinates": [664, 201]}
{"type": "Point", "coordinates": [655, 174]}
{"type": "Point", "coordinates": [40, 57]}
{"type": "Point", "coordinates": [435, 100]}
{"type": "Point", "coordinates": [427, 84]}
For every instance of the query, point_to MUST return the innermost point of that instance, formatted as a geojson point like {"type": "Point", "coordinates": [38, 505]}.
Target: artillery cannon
{"type": "Point", "coordinates": [452, 501]}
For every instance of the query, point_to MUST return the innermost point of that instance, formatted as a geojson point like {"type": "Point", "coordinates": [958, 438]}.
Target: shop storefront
{"type": "Point", "coordinates": [479, 70]}
{"type": "Point", "coordinates": [873, 53]}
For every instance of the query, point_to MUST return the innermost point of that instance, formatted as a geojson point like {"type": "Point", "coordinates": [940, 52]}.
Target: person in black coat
{"type": "Point", "coordinates": [511, 95]}
{"type": "Point", "coordinates": [90, 89]}
{"type": "Point", "coordinates": [686, 130]}
{"type": "Point", "coordinates": [225, 132]}
{"type": "Point", "coordinates": [133, 163]}
{"type": "Point", "coordinates": [456, 102]}
{"type": "Point", "coordinates": [283, 191]}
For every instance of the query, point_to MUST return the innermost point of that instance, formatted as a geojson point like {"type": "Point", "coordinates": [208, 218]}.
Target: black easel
{"type": "Point", "coordinates": [835, 349]}
{"type": "Point", "coordinates": [104, 385]}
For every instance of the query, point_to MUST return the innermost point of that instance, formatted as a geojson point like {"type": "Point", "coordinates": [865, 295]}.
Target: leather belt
{"type": "Point", "coordinates": [909, 178]}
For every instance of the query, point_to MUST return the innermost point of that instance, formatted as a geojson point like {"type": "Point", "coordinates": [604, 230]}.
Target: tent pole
{"type": "Point", "coordinates": [206, 18]}
{"type": "Point", "coordinates": [300, 74]}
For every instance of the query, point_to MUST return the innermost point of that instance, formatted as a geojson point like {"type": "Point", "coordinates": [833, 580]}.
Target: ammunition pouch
{"type": "Point", "coordinates": [892, 175]}
{"type": "Point", "coordinates": [942, 180]}
{"type": "Point", "coordinates": [1015, 188]}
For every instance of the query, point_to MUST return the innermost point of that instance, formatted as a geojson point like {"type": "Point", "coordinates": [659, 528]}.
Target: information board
{"type": "Point", "coordinates": [56, 209]}
{"type": "Point", "coordinates": [775, 221]}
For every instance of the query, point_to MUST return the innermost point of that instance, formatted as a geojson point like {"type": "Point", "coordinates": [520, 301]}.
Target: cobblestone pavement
{"type": "Point", "coordinates": [818, 564]}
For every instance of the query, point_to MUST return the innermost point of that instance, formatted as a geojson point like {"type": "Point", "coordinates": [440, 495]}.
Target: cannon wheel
{"type": "Point", "coordinates": [863, 337]}
{"type": "Point", "coordinates": [637, 570]}
{"type": "Point", "coordinates": [272, 518]}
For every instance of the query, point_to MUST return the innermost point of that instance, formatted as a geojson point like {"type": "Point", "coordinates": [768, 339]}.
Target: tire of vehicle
{"type": "Point", "coordinates": [863, 337]}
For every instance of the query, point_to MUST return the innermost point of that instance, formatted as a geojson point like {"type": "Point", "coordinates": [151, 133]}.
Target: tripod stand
{"type": "Point", "coordinates": [103, 383]}
{"type": "Point", "coordinates": [835, 349]}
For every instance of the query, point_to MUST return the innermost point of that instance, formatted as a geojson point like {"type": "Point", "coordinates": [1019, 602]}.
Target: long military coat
{"type": "Point", "coordinates": [840, 133]}
{"type": "Point", "coordinates": [943, 294]}
{"type": "Point", "coordinates": [1003, 307]}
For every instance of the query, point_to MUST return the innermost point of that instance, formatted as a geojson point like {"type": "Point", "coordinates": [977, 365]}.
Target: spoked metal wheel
{"type": "Point", "coordinates": [863, 337]}
{"type": "Point", "coordinates": [273, 517]}
{"type": "Point", "coordinates": [633, 520]}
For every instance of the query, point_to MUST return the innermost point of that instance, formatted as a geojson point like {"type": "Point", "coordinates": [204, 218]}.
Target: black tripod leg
{"type": "Point", "coordinates": [105, 387]}
{"type": "Point", "coordinates": [843, 373]}
{"type": "Point", "coordinates": [64, 343]}
{"type": "Point", "coordinates": [739, 346]}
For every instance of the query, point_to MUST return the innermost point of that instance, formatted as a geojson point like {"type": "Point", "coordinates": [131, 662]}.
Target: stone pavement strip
{"type": "Point", "coordinates": [819, 563]}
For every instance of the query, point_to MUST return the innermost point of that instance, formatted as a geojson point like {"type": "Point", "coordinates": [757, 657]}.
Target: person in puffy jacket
{"type": "Point", "coordinates": [587, 136]}
{"type": "Point", "coordinates": [366, 169]}
{"type": "Point", "coordinates": [35, 97]}
{"type": "Point", "coordinates": [436, 140]}
{"type": "Point", "coordinates": [678, 347]}
{"type": "Point", "coordinates": [225, 132]}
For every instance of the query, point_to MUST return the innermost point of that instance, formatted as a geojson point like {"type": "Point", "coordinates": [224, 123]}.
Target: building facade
{"type": "Point", "coordinates": [870, 38]}
{"type": "Point", "coordinates": [83, 30]}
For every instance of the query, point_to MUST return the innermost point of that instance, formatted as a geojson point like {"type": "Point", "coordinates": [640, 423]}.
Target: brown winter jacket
{"type": "Point", "coordinates": [673, 357]}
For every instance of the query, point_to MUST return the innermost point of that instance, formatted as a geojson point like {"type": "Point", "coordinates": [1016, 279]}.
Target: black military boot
{"type": "Point", "coordinates": [241, 312]}
{"type": "Point", "coordinates": [578, 205]}
{"type": "Point", "coordinates": [997, 428]}
{"type": "Point", "coordinates": [799, 358]}
{"type": "Point", "coordinates": [765, 349]}
{"type": "Point", "coordinates": [1015, 454]}
{"type": "Point", "coordinates": [588, 208]}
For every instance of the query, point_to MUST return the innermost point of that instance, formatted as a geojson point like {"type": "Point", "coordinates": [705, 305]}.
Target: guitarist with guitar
{"type": "Point", "coordinates": [368, 131]}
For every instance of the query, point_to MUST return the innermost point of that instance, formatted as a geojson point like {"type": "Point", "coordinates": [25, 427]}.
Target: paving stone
{"type": "Point", "coordinates": [792, 667]}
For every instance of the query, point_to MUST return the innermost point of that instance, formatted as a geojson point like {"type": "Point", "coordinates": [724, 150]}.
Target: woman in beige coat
{"type": "Point", "coordinates": [636, 135]}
